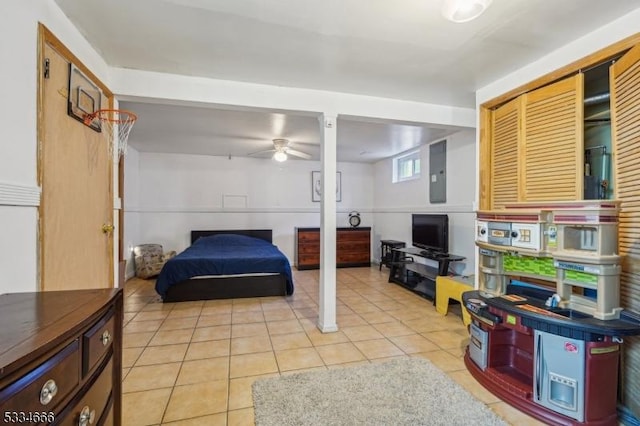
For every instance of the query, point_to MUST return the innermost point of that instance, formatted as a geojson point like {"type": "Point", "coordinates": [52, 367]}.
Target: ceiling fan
{"type": "Point", "coordinates": [282, 150]}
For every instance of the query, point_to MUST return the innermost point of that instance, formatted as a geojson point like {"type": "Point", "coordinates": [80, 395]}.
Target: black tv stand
{"type": "Point", "coordinates": [418, 277]}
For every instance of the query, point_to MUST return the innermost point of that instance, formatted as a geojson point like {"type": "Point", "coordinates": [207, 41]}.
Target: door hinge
{"type": "Point", "coordinates": [46, 67]}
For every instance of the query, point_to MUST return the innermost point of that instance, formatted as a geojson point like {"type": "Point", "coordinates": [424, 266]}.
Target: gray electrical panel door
{"type": "Point", "coordinates": [438, 172]}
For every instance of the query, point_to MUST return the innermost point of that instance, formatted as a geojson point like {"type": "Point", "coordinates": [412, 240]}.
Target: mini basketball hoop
{"type": "Point", "coordinates": [115, 124]}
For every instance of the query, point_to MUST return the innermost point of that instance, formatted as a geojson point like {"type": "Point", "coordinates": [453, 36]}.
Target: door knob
{"type": "Point", "coordinates": [107, 229]}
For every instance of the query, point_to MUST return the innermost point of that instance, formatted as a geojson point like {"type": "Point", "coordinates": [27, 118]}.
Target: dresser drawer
{"type": "Point", "coordinates": [44, 387]}
{"type": "Point", "coordinates": [94, 402]}
{"type": "Point", "coordinates": [97, 341]}
{"type": "Point", "coordinates": [353, 236]}
{"type": "Point", "coordinates": [353, 247]}
{"type": "Point", "coordinates": [309, 248]}
{"type": "Point", "coordinates": [353, 258]}
{"type": "Point", "coordinates": [309, 237]}
{"type": "Point", "coordinates": [309, 259]}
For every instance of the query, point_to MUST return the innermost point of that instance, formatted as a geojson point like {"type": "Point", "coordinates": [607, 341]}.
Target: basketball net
{"type": "Point", "coordinates": [115, 125]}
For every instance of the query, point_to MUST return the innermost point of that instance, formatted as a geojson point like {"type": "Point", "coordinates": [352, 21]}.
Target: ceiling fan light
{"type": "Point", "coordinates": [464, 10]}
{"type": "Point", "coordinates": [280, 156]}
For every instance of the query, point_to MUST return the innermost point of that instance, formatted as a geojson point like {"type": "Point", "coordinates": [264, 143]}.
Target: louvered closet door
{"type": "Point", "coordinates": [504, 153]}
{"type": "Point", "coordinates": [553, 146]}
{"type": "Point", "coordinates": [625, 128]}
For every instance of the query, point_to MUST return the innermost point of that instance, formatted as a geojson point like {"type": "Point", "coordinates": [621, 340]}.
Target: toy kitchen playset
{"type": "Point", "coordinates": [551, 351]}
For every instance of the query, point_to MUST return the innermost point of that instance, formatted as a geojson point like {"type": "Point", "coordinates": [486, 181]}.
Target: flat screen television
{"type": "Point", "coordinates": [430, 232]}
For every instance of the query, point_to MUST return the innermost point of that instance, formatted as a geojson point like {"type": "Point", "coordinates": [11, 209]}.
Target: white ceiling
{"type": "Point", "coordinates": [400, 49]}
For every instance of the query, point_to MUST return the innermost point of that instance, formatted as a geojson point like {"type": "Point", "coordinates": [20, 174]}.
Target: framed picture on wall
{"type": "Point", "coordinates": [316, 187]}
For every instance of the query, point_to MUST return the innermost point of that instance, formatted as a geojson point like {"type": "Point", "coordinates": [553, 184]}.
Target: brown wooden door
{"type": "Point", "coordinates": [625, 116]}
{"type": "Point", "coordinates": [553, 155]}
{"type": "Point", "coordinates": [75, 169]}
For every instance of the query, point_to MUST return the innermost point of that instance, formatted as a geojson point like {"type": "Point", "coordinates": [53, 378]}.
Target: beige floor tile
{"type": "Point", "coordinates": [377, 317]}
{"type": "Point", "coordinates": [319, 338]}
{"type": "Point", "coordinates": [137, 340]}
{"type": "Point", "coordinates": [246, 330]}
{"type": "Point", "coordinates": [142, 326]}
{"type": "Point", "coordinates": [130, 356]}
{"type": "Point", "coordinates": [203, 370]}
{"type": "Point", "coordinates": [447, 339]}
{"type": "Point", "coordinates": [352, 320]}
{"type": "Point", "coordinates": [185, 312]}
{"type": "Point", "coordinates": [171, 337]}
{"type": "Point", "coordinates": [306, 312]}
{"type": "Point", "coordinates": [443, 360]}
{"type": "Point", "coordinates": [296, 359]}
{"type": "Point", "coordinates": [284, 327]}
{"type": "Point", "coordinates": [219, 419]}
{"type": "Point", "coordinates": [211, 333]}
{"type": "Point", "coordinates": [279, 315]}
{"type": "Point", "coordinates": [363, 332]}
{"type": "Point", "coordinates": [213, 320]}
{"type": "Point", "coordinates": [392, 329]}
{"type": "Point", "coordinates": [241, 393]}
{"type": "Point", "coordinates": [251, 344]}
{"type": "Point", "coordinates": [125, 372]}
{"type": "Point", "coordinates": [513, 415]}
{"type": "Point", "coordinates": [466, 380]}
{"type": "Point", "coordinates": [378, 348]}
{"type": "Point", "coordinates": [151, 377]}
{"type": "Point", "coordinates": [340, 353]}
{"type": "Point", "coordinates": [253, 304]}
{"type": "Point", "coordinates": [144, 408]}
{"type": "Point", "coordinates": [208, 349]}
{"type": "Point", "coordinates": [290, 341]}
{"type": "Point", "coordinates": [162, 354]}
{"type": "Point", "coordinates": [252, 364]}
{"type": "Point", "coordinates": [246, 317]}
{"type": "Point", "coordinates": [414, 343]}
{"type": "Point", "coordinates": [243, 417]}
{"type": "Point", "coordinates": [178, 323]}
{"type": "Point", "coordinates": [197, 400]}
{"type": "Point", "coordinates": [218, 309]}
{"type": "Point", "coordinates": [151, 315]}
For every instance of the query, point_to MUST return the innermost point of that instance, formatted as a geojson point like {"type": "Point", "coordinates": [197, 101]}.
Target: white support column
{"type": "Point", "coordinates": [327, 302]}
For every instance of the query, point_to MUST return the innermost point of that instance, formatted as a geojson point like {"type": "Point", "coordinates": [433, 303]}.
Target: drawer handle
{"type": "Point", "coordinates": [87, 416]}
{"type": "Point", "coordinates": [106, 338]}
{"type": "Point", "coordinates": [48, 391]}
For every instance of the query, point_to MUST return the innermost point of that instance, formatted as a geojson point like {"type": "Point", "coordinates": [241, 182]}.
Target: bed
{"type": "Point", "coordinates": [226, 264]}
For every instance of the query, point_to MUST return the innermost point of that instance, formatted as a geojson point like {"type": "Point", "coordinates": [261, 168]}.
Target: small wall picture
{"type": "Point", "coordinates": [316, 187]}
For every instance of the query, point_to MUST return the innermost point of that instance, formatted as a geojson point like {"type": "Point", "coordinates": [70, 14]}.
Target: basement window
{"type": "Point", "coordinates": [406, 166]}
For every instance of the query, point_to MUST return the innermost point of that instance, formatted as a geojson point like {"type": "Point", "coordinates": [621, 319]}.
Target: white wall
{"type": "Point", "coordinates": [19, 194]}
{"type": "Point", "coordinates": [395, 202]}
{"type": "Point", "coordinates": [179, 193]}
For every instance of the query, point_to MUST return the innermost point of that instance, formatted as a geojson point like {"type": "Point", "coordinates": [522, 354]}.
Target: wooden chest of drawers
{"type": "Point", "coordinates": [61, 357]}
{"type": "Point", "coordinates": [353, 247]}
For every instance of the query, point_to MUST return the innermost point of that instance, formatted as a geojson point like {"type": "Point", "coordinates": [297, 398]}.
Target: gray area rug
{"type": "Point", "coordinates": [409, 391]}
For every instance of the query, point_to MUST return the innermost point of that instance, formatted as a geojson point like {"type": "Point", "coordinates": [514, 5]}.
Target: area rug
{"type": "Point", "coordinates": [409, 391]}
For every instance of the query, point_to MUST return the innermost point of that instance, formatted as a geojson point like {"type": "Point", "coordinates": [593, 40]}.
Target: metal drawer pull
{"type": "Point", "coordinates": [87, 416]}
{"type": "Point", "coordinates": [48, 391]}
{"type": "Point", "coordinates": [106, 338]}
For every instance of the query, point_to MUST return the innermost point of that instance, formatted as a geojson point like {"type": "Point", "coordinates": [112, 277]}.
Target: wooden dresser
{"type": "Point", "coordinates": [61, 357]}
{"type": "Point", "coordinates": [353, 247]}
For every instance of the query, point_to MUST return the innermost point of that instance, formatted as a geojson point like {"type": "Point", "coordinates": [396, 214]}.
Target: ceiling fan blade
{"type": "Point", "coordinates": [261, 152]}
{"type": "Point", "coordinates": [298, 154]}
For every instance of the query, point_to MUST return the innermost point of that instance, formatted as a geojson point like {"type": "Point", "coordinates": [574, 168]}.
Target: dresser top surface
{"type": "Point", "coordinates": [359, 228]}
{"type": "Point", "coordinates": [35, 321]}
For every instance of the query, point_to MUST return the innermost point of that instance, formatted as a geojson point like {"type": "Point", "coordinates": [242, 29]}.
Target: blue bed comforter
{"type": "Point", "coordinates": [224, 254]}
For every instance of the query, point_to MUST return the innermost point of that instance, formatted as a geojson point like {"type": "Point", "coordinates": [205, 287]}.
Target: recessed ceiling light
{"type": "Point", "coordinates": [463, 10]}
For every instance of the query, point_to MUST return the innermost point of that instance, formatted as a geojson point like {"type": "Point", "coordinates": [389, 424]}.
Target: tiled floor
{"type": "Point", "coordinates": [193, 363]}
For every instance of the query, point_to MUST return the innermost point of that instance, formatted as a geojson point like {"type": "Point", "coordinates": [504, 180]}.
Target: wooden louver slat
{"type": "Point", "coordinates": [551, 160]}
{"type": "Point", "coordinates": [625, 116]}
{"type": "Point", "coordinates": [504, 153]}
